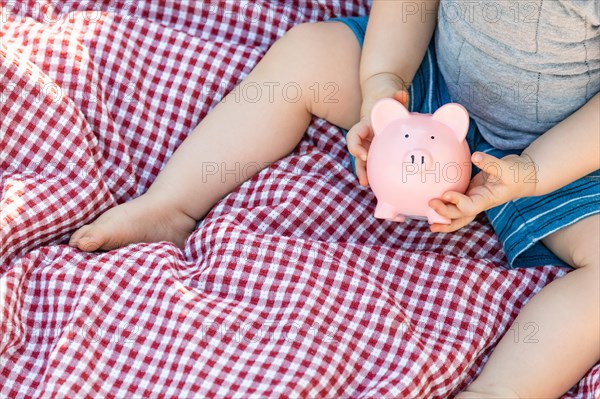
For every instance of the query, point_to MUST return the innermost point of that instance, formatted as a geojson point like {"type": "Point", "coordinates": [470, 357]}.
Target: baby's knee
{"type": "Point", "coordinates": [293, 45]}
{"type": "Point", "coordinates": [291, 60]}
{"type": "Point", "coordinates": [304, 47]}
{"type": "Point", "coordinates": [304, 38]}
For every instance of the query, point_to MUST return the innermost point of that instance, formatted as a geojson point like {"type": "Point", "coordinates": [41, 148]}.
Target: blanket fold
{"type": "Point", "coordinates": [288, 287]}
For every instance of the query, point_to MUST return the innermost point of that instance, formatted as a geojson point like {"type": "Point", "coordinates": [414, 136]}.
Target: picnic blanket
{"type": "Point", "coordinates": [288, 288]}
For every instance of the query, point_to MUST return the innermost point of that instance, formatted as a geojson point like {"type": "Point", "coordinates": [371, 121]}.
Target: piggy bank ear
{"type": "Point", "coordinates": [456, 117]}
{"type": "Point", "coordinates": [384, 112]}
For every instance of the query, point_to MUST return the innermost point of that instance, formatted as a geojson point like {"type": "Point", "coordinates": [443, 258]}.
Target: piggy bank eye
{"type": "Point", "coordinates": [432, 137]}
{"type": "Point", "coordinates": [406, 135]}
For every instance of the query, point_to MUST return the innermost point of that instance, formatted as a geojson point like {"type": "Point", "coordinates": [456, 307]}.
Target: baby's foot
{"type": "Point", "coordinates": [143, 219]}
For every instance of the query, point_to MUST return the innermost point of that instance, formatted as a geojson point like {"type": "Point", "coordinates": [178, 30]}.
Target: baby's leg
{"type": "Point", "coordinates": [562, 341]}
{"type": "Point", "coordinates": [243, 134]}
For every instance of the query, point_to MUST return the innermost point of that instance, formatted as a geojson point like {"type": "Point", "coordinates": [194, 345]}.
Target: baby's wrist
{"type": "Point", "coordinates": [524, 175]}
{"type": "Point", "coordinates": [378, 86]}
{"type": "Point", "coordinates": [383, 78]}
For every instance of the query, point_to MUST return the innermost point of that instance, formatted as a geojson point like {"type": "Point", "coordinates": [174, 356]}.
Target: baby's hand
{"type": "Point", "coordinates": [500, 181]}
{"type": "Point", "coordinates": [359, 138]}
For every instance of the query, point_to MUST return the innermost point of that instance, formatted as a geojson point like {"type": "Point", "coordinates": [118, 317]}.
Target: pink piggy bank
{"type": "Point", "coordinates": [414, 158]}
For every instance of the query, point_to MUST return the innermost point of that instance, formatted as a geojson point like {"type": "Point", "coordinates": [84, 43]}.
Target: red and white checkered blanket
{"type": "Point", "coordinates": [289, 287]}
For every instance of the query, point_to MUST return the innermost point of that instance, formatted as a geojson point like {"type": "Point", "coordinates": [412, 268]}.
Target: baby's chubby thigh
{"type": "Point", "coordinates": [318, 64]}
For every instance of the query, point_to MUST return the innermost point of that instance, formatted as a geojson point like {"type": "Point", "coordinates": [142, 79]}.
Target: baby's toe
{"type": "Point", "coordinates": [89, 238]}
{"type": "Point", "coordinates": [88, 244]}
{"type": "Point", "coordinates": [78, 234]}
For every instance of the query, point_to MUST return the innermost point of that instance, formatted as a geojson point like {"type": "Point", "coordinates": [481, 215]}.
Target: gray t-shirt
{"type": "Point", "coordinates": [519, 67]}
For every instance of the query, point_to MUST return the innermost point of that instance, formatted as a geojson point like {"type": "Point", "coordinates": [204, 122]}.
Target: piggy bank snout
{"type": "Point", "coordinates": [418, 157]}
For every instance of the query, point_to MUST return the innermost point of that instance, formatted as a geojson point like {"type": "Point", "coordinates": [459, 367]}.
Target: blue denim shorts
{"type": "Point", "coordinates": [520, 224]}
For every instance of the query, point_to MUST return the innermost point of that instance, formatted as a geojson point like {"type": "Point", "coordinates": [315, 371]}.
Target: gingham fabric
{"type": "Point", "coordinates": [288, 288]}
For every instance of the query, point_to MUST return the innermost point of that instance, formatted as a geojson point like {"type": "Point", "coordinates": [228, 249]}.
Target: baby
{"type": "Point", "coordinates": [529, 75]}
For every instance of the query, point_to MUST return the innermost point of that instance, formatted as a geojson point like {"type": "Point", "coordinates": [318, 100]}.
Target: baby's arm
{"type": "Point", "coordinates": [565, 153]}
{"type": "Point", "coordinates": [568, 151]}
{"type": "Point", "coordinates": [396, 40]}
